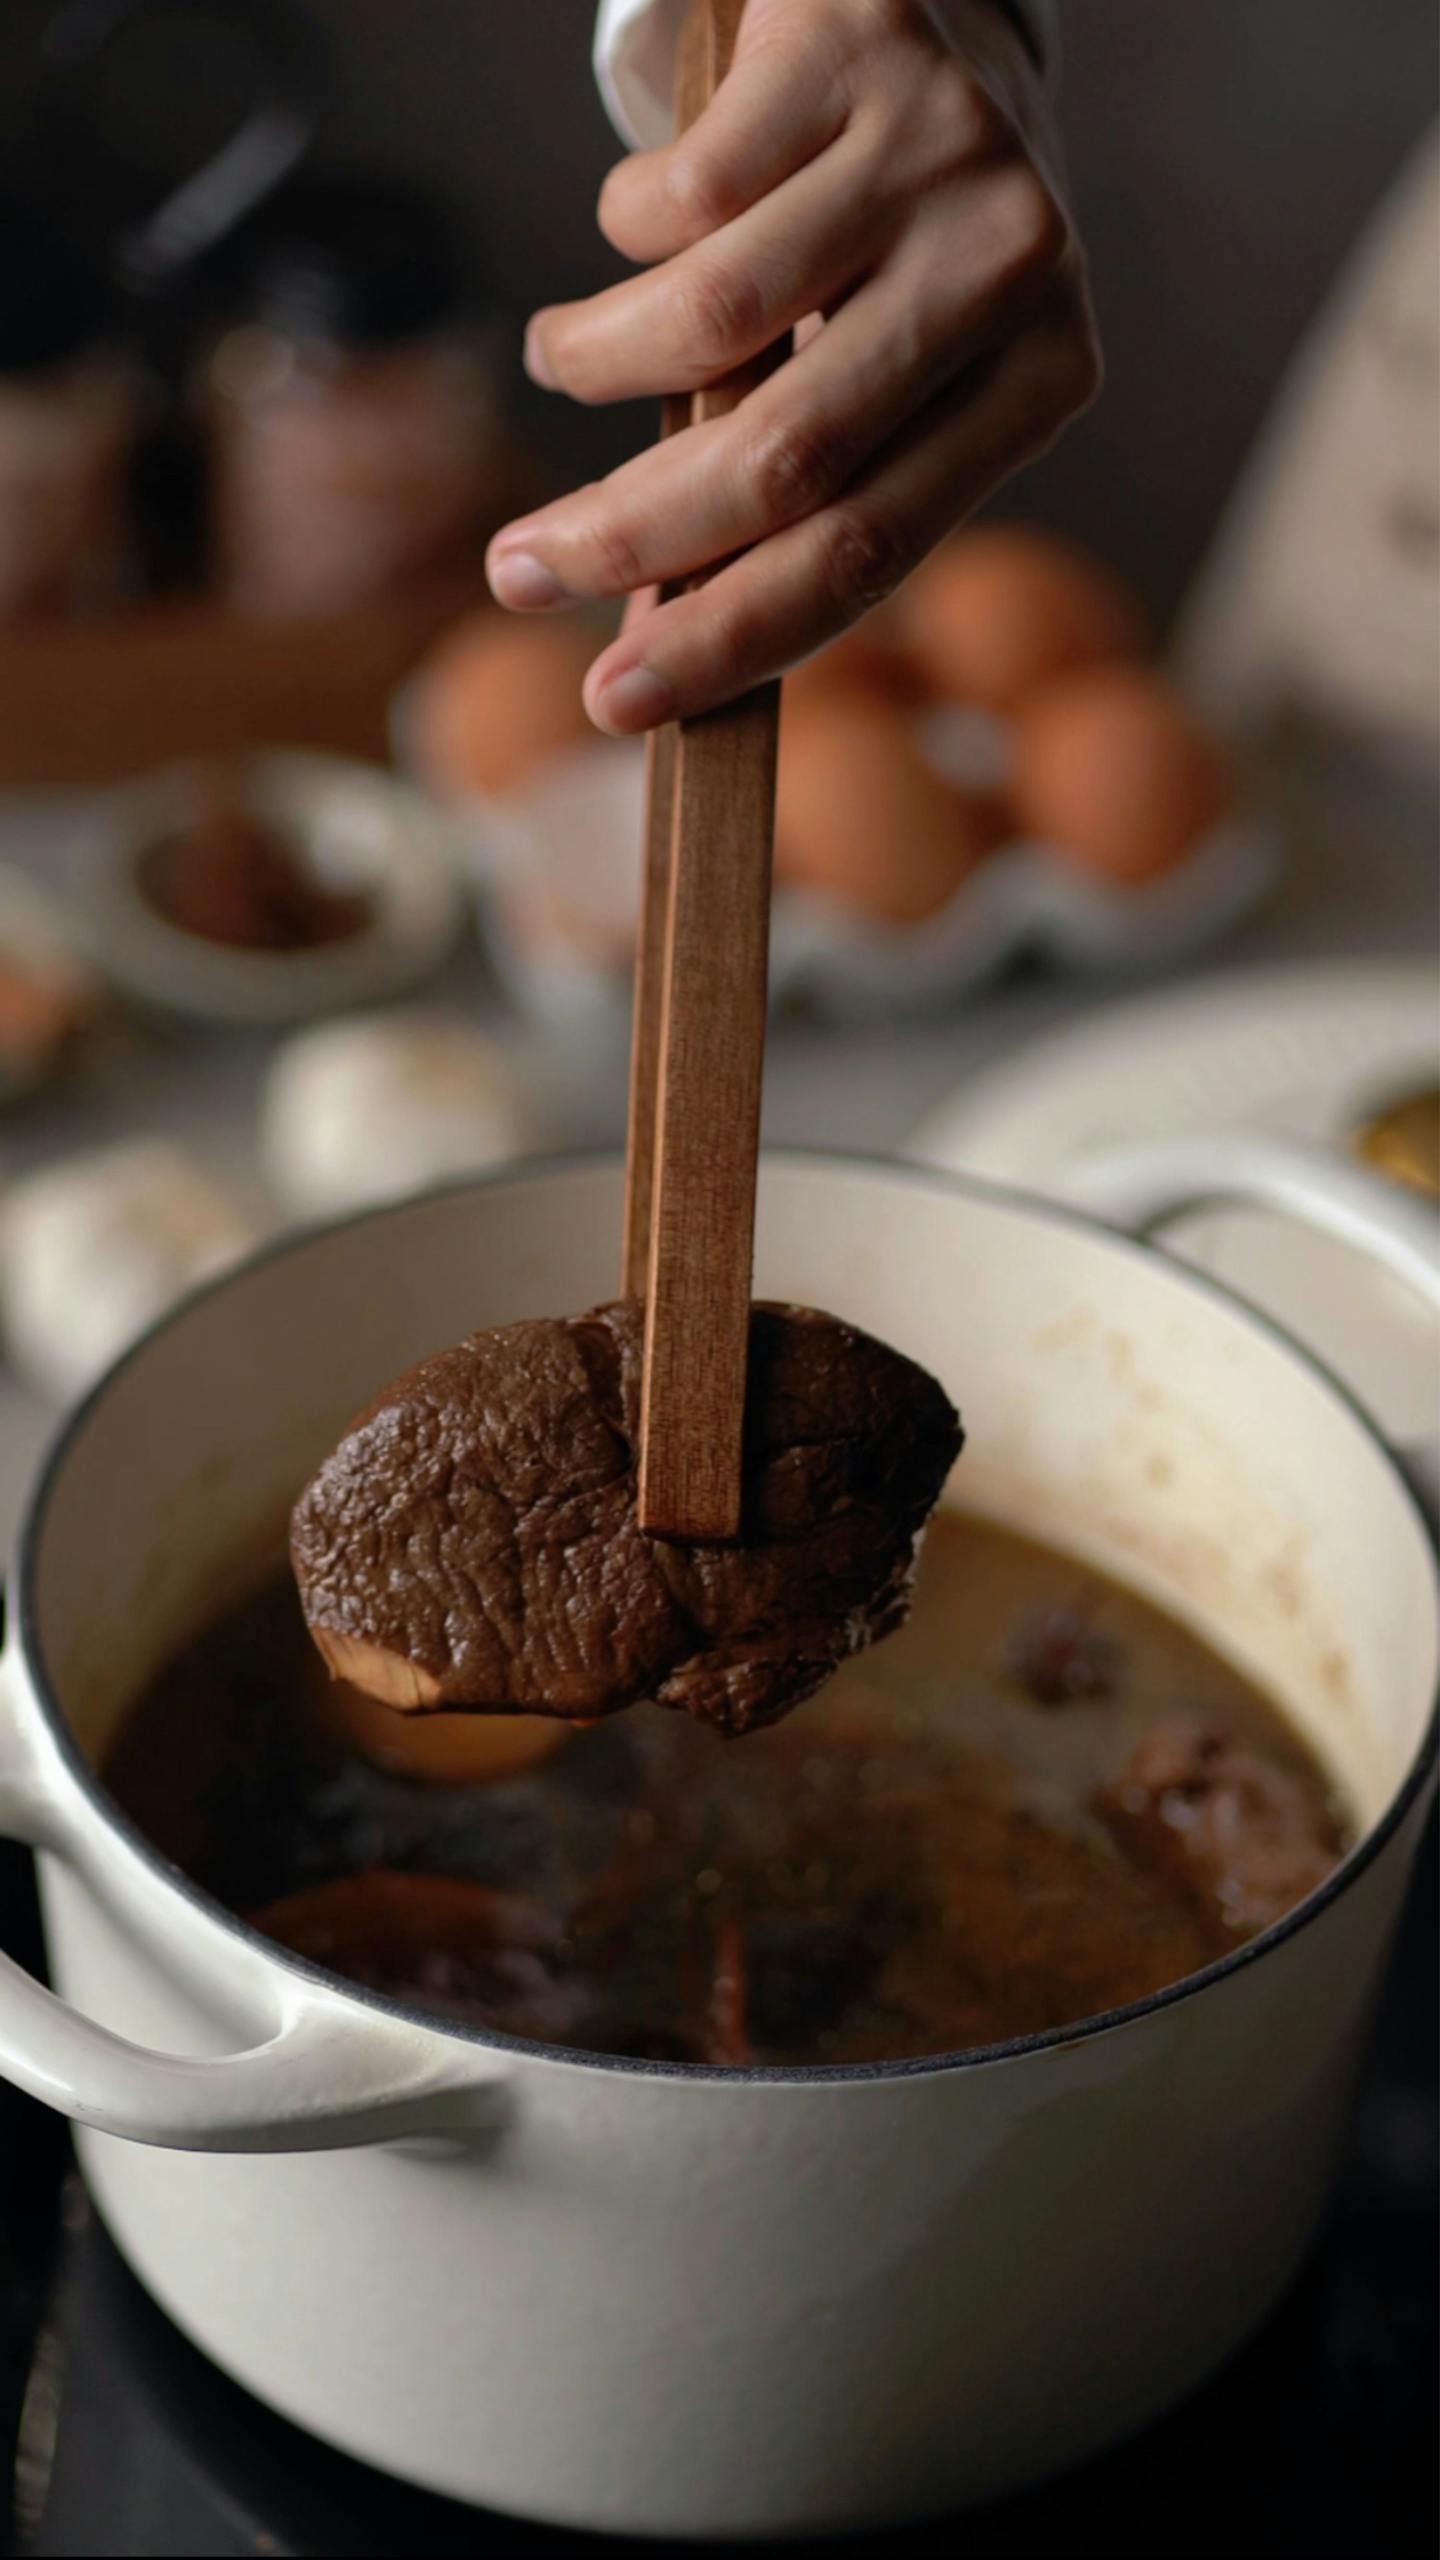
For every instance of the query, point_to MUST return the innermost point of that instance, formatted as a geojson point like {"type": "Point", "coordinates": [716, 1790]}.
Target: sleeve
{"type": "Point", "coordinates": [635, 52]}
{"type": "Point", "coordinates": [634, 58]}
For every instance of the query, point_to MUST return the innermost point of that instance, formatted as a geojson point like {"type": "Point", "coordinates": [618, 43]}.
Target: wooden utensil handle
{"type": "Point", "coordinates": [707, 41]}
{"type": "Point", "coordinates": [710, 1055]}
{"type": "Point", "coordinates": [660, 751]}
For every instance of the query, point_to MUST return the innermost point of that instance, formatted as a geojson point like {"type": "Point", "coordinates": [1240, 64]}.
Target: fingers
{"type": "Point", "coordinates": [797, 590]}
{"type": "Point", "coordinates": [697, 317]}
{"type": "Point", "coordinates": [638, 607]}
{"type": "Point", "coordinates": [796, 442]}
{"type": "Point", "coordinates": [778, 108]}
{"type": "Point", "coordinates": [794, 184]}
{"type": "Point", "coordinates": [798, 79]}
{"type": "Point", "coordinates": [715, 489]}
{"type": "Point", "coordinates": [903, 206]}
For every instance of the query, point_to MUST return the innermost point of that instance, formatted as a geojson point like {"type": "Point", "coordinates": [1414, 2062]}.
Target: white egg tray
{"type": "Point", "coordinates": [578, 828]}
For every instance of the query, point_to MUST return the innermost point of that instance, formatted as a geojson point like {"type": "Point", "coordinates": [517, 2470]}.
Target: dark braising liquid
{"type": "Point", "coordinates": [1041, 1800]}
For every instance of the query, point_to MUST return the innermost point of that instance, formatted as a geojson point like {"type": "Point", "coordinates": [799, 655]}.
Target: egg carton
{"type": "Point", "coordinates": [1021, 903]}
{"type": "Point", "coordinates": [573, 838]}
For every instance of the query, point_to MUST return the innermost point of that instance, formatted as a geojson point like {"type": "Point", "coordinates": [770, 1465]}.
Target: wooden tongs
{"type": "Point", "coordinates": [699, 1035]}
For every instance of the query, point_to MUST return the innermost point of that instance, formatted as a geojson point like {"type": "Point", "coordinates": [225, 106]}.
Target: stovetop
{"type": "Point", "coordinates": [1316, 2440]}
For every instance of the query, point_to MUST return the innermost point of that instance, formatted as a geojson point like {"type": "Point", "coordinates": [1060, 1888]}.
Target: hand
{"type": "Point", "coordinates": [875, 175]}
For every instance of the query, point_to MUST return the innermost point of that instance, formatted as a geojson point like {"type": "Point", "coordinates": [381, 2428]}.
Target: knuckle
{"type": "Point", "coordinates": [901, 21]}
{"type": "Point", "coordinates": [949, 133]}
{"type": "Point", "coordinates": [979, 127]}
{"type": "Point", "coordinates": [1031, 230]}
{"type": "Point", "coordinates": [734, 645]}
{"type": "Point", "coordinates": [565, 370]}
{"type": "Point", "coordinates": [864, 556]}
{"type": "Point", "coordinates": [701, 189]}
{"type": "Point", "coordinates": [792, 470]}
{"type": "Point", "coordinates": [617, 555]}
{"type": "Point", "coordinates": [853, 30]}
{"type": "Point", "coordinates": [569, 361]}
{"type": "Point", "coordinates": [718, 313]}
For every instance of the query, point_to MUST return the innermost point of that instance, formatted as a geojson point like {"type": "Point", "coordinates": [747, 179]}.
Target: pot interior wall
{"type": "Point", "coordinates": [1112, 1408]}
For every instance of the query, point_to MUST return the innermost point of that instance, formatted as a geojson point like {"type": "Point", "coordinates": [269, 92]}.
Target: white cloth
{"type": "Point", "coordinates": [634, 63]}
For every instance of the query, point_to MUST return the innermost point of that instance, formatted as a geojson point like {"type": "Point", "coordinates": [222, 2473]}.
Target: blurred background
{"type": "Point", "coordinates": [313, 885]}
{"type": "Point", "coordinates": [271, 763]}
{"type": "Point", "coordinates": [1223, 160]}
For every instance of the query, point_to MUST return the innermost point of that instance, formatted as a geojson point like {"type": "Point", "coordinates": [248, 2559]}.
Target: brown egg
{"type": "Point", "coordinates": [451, 1750]}
{"type": "Point", "coordinates": [1112, 770]}
{"type": "Point", "coordinates": [871, 657]}
{"type": "Point", "coordinates": [861, 816]}
{"type": "Point", "coordinates": [998, 612]}
{"type": "Point", "coordinates": [497, 697]}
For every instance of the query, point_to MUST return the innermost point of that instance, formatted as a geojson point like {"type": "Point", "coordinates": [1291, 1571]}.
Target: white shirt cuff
{"type": "Point", "coordinates": [635, 57]}
{"type": "Point", "coordinates": [634, 66]}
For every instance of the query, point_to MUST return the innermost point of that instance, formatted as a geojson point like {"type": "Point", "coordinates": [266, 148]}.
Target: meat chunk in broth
{"type": "Point", "coordinates": [478, 1525]}
{"type": "Point", "coordinates": [1240, 1831]}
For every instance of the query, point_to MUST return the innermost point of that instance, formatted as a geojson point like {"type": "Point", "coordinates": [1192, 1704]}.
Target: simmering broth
{"type": "Point", "coordinates": [1041, 1800]}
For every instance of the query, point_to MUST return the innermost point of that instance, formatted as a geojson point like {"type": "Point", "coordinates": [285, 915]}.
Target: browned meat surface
{"type": "Point", "coordinates": [1248, 1835]}
{"type": "Point", "coordinates": [478, 1521]}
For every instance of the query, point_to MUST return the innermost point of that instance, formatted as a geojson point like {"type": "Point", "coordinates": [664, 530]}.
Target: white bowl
{"type": "Point", "coordinates": [359, 828]}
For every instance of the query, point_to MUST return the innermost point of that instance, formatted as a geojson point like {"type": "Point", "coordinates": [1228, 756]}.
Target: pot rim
{"type": "Point", "coordinates": [532, 1168]}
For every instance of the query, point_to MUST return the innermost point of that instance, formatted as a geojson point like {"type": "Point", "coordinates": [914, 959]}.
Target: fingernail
{"type": "Point", "coordinates": [517, 578]}
{"type": "Point", "coordinates": [635, 699]}
{"type": "Point", "coordinates": [535, 364]}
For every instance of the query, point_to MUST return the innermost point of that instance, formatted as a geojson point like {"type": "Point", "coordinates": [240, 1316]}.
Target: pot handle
{"type": "Point", "coordinates": [329, 2075]}
{"type": "Point", "coordinates": [1142, 1188]}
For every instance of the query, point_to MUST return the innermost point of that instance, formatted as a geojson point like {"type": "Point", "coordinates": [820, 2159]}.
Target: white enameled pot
{"type": "Point", "coordinates": [711, 2301]}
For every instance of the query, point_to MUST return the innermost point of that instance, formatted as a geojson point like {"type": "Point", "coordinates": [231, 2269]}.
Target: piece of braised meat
{"type": "Point", "coordinates": [478, 1524]}
{"type": "Point", "coordinates": [1248, 1836]}
{"type": "Point", "coordinates": [434, 1942]}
